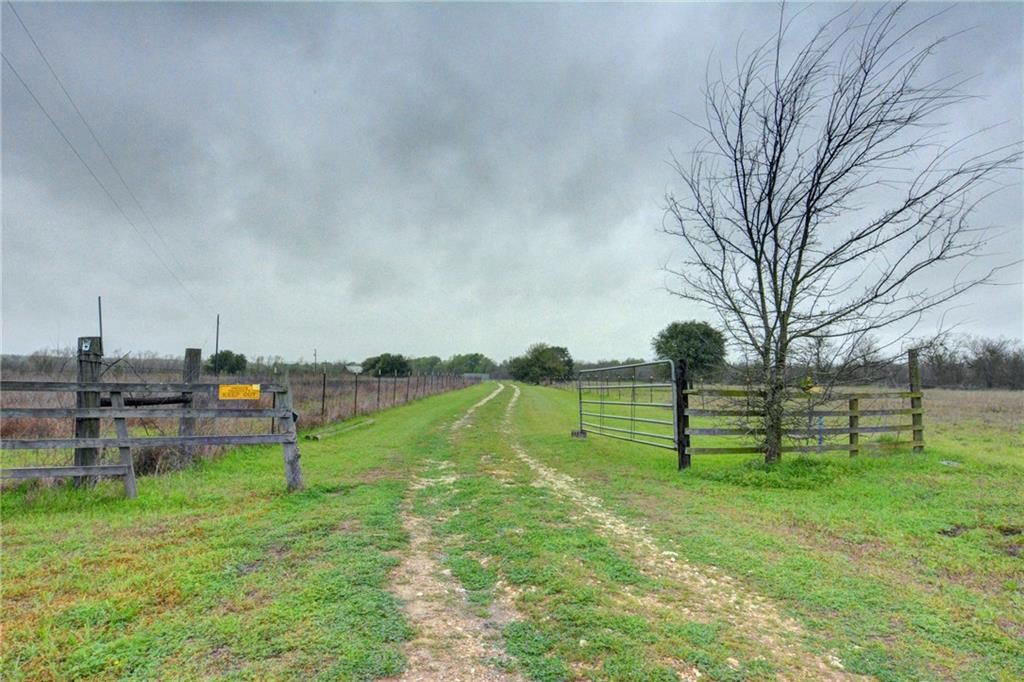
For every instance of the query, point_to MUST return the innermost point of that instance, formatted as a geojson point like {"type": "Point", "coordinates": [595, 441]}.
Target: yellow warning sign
{"type": "Point", "coordinates": [238, 392]}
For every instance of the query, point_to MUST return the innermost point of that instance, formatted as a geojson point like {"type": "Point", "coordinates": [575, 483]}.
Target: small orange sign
{"type": "Point", "coordinates": [238, 392]}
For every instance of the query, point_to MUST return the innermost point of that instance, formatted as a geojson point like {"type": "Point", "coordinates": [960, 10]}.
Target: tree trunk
{"type": "Point", "coordinates": [774, 399]}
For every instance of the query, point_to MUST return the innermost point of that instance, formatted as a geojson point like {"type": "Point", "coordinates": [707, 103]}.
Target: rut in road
{"type": "Point", "coordinates": [715, 594]}
{"type": "Point", "coordinates": [451, 643]}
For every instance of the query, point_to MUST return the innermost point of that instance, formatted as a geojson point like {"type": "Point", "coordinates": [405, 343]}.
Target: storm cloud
{"type": "Point", "coordinates": [424, 179]}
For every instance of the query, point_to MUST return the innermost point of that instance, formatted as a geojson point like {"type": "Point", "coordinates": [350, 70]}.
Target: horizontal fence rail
{"type": "Point", "coordinates": [97, 401]}
{"type": "Point", "coordinates": [634, 403]}
{"type": "Point", "coordinates": [820, 421]}
{"type": "Point", "coordinates": [139, 387]}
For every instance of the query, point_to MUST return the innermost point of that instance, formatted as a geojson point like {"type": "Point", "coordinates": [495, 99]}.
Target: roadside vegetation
{"type": "Point", "coordinates": [898, 566]}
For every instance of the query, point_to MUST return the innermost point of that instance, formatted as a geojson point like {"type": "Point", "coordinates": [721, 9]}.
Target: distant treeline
{"type": "Point", "coordinates": [957, 362]}
{"type": "Point", "coordinates": [954, 362]}
{"type": "Point", "coordinates": [974, 362]}
{"type": "Point", "coordinates": [61, 362]}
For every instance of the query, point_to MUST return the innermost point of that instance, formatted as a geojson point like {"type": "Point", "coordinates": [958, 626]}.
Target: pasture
{"type": "Point", "coordinates": [466, 536]}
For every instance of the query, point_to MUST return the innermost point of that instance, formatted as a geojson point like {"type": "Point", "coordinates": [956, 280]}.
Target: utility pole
{"type": "Point", "coordinates": [314, 359]}
{"type": "Point", "coordinates": [216, 349]}
{"type": "Point", "coordinates": [99, 307]}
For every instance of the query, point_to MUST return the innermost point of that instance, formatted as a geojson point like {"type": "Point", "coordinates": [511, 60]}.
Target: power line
{"type": "Point", "coordinates": [95, 139]}
{"type": "Point", "coordinates": [98, 181]}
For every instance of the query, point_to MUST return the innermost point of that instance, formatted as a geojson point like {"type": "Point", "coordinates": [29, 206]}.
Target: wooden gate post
{"type": "Point", "coordinates": [187, 425]}
{"type": "Point", "coordinates": [854, 406]}
{"type": "Point", "coordinates": [292, 467]}
{"type": "Point", "coordinates": [90, 363]}
{"type": "Point", "coordinates": [120, 424]}
{"type": "Point", "coordinates": [682, 414]}
{"type": "Point", "coordinates": [917, 419]}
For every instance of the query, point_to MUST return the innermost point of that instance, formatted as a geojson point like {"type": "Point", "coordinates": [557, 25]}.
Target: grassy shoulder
{"type": "Point", "coordinates": [216, 571]}
{"type": "Point", "coordinates": [907, 566]}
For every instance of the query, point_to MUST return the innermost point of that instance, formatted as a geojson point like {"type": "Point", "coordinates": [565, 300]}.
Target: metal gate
{"type": "Point", "coordinates": [641, 403]}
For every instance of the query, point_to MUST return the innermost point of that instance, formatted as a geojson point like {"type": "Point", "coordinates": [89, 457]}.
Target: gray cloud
{"type": "Point", "coordinates": [424, 178]}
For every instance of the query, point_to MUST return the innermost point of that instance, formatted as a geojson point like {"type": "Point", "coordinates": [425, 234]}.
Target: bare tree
{"type": "Point", "coordinates": [780, 209]}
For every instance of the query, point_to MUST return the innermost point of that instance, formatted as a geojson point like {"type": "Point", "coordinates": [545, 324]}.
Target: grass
{"type": "Point", "coordinates": [907, 567]}
{"type": "Point", "coordinates": [216, 571]}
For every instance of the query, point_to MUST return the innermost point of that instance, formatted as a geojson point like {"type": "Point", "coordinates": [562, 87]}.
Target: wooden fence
{"type": "Point", "coordinates": [671, 413]}
{"type": "Point", "coordinates": [825, 415]}
{"type": "Point", "coordinates": [118, 402]}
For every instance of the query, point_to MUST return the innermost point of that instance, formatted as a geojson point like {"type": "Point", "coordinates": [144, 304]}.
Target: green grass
{"type": "Point", "coordinates": [905, 567]}
{"type": "Point", "coordinates": [216, 571]}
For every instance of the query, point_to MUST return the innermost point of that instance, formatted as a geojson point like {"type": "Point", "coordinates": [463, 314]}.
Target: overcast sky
{"type": "Point", "coordinates": [422, 179]}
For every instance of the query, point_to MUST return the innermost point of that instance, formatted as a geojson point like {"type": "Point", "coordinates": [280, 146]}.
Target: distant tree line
{"type": "Point", "coordinates": [974, 362]}
{"type": "Point", "coordinates": [954, 362]}
{"type": "Point", "coordinates": [396, 364]}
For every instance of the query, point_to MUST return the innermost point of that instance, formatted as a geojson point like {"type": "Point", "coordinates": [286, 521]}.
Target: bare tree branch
{"type": "Point", "coordinates": [773, 206]}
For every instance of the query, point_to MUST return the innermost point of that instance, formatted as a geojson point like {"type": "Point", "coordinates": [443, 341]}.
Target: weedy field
{"type": "Point", "coordinates": [466, 536]}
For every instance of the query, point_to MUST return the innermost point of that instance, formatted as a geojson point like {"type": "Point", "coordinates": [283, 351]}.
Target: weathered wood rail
{"type": "Point", "coordinates": [97, 400]}
{"type": "Point", "coordinates": [616, 402]}
{"type": "Point", "coordinates": [854, 428]}
{"type": "Point", "coordinates": [831, 404]}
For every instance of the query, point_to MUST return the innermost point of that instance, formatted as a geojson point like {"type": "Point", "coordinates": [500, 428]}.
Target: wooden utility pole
{"type": "Point", "coordinates": [90, 364]}
{"type": "Point", "coordinates": [190, 375]}
{"type": "Point", "coordinates": [216, 349]}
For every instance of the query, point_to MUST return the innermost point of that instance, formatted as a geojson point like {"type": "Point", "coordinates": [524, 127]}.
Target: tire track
{"type": "Point", "coordinates": [463, 421]}
{"type": "Point", "coordinates": [752, 615]}
{"type": "Point", "coordinates": [451, 643]}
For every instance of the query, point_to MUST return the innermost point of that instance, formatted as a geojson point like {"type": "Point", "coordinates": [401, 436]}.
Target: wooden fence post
{"type": "Point", "coordinates": [682, 414]}
{"type": "Point", "coordinates": [90, 363]}
{"type": "Point", "coordinates": [323, 396]}
{"type": "Point", "coordinates": [917, 418]}
{"type": "Point", "coordinates": [190, 375]}
{"type": "Point", "coordinates": [355, 397]}
{"type": "Point", "coordinates": [130, 489]}
{"type": "Point", "coordinates": [292, 467]}
{"type": "Point", "coordinates": [854, 425]}
{"type": "Point", "coordinates": [408, 380]}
